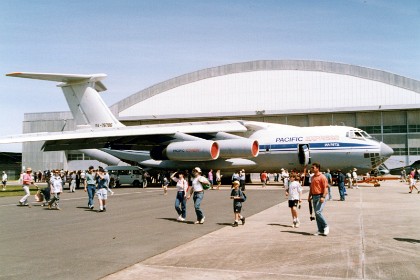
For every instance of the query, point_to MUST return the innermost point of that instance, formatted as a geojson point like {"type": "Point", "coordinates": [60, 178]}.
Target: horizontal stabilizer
{"type": "Point", "coordinates": [82, 96]}
{"type": "Point", "coordinates": [63, 78]}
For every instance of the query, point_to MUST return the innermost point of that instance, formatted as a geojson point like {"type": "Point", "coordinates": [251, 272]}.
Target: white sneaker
{"type": "Point", "coordinates": [326, 230]}
{"type": "Point", "coordinates": [317, 233]}
{"type": "Point", "coordinates": [297, 224]}
{"type": "Point", "coordinates": [180, 219]}
{"type": "Point", "coordinates": [202, 220]}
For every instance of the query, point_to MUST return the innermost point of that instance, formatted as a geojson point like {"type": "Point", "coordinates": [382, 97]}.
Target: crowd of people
{"type": "Point", "coordinates": [192, 185]}
{"type": "Point", "coordinates": [94, 181]}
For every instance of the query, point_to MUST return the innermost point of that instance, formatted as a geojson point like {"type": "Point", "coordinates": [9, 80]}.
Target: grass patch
{"type": "Point", "coordinates": [16, 190]}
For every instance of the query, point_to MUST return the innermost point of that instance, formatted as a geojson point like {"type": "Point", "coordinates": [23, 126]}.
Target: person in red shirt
{"type": "Point", "coordinates": [264, 176]}
{"type": "Point", "coordinates": [318, 193]}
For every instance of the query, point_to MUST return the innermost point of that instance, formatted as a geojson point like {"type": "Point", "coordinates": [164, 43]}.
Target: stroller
{"type": "Point", "coordinates": [43, 195]}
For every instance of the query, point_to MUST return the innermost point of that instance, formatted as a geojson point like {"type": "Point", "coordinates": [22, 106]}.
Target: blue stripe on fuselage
{"type": "Point", "coordinates": [317, 146]}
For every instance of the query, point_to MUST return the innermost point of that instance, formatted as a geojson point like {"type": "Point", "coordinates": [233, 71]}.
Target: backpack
{"type": "Point", "coordinates": [243, 196]}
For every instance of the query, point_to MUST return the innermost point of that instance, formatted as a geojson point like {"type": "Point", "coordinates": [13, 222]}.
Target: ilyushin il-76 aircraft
{"type": "Point", "coordinates": [226, 145]}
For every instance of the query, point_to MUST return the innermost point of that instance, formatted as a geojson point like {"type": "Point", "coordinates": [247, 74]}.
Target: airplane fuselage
{"type": "Point", "coordinates": [290, 147]}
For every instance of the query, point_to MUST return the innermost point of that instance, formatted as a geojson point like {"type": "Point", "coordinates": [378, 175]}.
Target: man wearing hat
{"type": "Point", "coordinates": [27, 180]}
{"type": "Point", "coordinates": [198, 191]}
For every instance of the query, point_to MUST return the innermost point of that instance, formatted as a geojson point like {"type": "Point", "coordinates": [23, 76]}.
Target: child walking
{"type": "Point", "coordinates": [237, 196]}
{"type": "Point", "coordinates": [294, 192]}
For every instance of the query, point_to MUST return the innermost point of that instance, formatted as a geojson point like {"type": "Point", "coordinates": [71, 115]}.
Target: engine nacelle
{"type": "Point", "coordinates": [238, 148]}
{"type": "Point", "coordinates": [187, 151]}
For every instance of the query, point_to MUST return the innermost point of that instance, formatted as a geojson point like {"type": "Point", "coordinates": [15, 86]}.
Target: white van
{"type": "Point", "coordinates": [126, 175]}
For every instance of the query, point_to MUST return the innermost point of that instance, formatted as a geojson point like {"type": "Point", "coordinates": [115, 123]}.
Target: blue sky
{"type": "Point", "coordinates": [141, 43]}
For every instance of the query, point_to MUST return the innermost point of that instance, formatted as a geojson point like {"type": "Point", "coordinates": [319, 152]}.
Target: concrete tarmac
{"type": "Point", "coordinates": [79, 243]}
{"type": "Point", "coordinates": [374, 234]}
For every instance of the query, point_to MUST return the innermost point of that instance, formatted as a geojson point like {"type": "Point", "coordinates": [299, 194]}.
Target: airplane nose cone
{"type": "Point", "coordinates": [386, 151]}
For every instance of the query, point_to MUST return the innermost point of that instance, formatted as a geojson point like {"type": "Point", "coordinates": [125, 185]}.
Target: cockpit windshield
{"type": "Point", "coordinates": [358, 134]}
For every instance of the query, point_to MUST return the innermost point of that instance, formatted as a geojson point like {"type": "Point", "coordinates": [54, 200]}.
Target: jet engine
{"type": "Point", "coordinates": [238, 148]}
{"type": "Point", "coordinates": [187, 151]}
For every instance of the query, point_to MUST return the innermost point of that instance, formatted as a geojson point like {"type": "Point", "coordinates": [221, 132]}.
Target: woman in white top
{"type": "Point", "coordinates": [198, 190]}
{"type": "Point", "coordinates": [181, 195]}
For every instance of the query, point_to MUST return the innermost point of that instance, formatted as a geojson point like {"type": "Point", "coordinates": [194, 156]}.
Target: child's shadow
{"type": "Point", "coordinates": [290, 231]}
{"type": "Point", "coordinates": [279, 225]}
{"type": "Point", "coordinates": [224, 224]}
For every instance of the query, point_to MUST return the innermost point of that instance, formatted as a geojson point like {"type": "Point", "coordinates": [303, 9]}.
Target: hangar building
{"type": "Point", "coordinates": [294, 92]}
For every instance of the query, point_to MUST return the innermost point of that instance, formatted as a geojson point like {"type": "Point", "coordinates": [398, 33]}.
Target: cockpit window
{"type": "Point", "coordinates": [358, 134]}
{"type": "Point", "coordinates": [365, 134]}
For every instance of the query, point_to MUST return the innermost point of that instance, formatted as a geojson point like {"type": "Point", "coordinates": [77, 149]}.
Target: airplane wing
{"type": "Point", "coordinates": [136, 137]}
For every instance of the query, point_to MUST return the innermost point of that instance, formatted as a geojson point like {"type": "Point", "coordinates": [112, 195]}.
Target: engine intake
{"type": "Point", "coordinates": [187, 151]}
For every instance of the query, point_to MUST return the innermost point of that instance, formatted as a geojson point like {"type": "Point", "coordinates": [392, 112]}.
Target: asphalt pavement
{"type": "Point", "coordinates": [77, 243]}
{"type": "Point", "coordinates": [374, 234]}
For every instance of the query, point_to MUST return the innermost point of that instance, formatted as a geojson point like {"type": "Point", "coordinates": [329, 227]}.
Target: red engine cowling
{"type": "Point", "coordinates": [238, 148]}
{"type": "Point", "coordinates": [187, 151]}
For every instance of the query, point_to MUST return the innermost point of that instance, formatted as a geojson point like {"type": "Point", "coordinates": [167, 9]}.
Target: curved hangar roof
{"type": "Point", "coordinates": [272, 87]}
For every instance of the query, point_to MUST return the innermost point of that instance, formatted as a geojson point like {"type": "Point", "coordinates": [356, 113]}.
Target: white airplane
{"type": "Point", "coordinates": [226, 145]}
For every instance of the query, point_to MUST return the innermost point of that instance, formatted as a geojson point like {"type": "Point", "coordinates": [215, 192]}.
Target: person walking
{"type": "Point", "coordinates": [27, 180]}
{"type": "Point", "coordinates": [237, 196]}
{"type": "Point", "coordinates": [4, 180]}
{"type": "Point", "coordinates": [341, 178]}
{"type": "Point", "coordinates": [284, 177]}
{"type": "Point", "coordinates": [263, 177]}
{"type": "Point", "coordinates": [403, 177]}
{"type": "Point", "coordinates": [412, 183]}
{"type": "Point", "coordinates": [329, 179]}
{"type": "Point", "coordinates": [210, 178]}
{"type": "Point", "coordinates": [317, 193]}
{"type": "Point", "coordinates": [218, 179]}
{"type": "Point", "coordinates": [90, 186]}
{"type": "Point", "coordinates": [354, 178]}
{"type": "Point", "coordinates": [235, 177]}
{"type": "Point", "coordinates": [349, 180]}
{"type": "Point", "coordinates": [242, 179]}
{"type": "Point", "coordinates": [73, 182]}
{"type": "Point", "coordinates": [102, 188]}
{"type": "Point", "coordinates": [165, 184]}
{"type": "Point", "coordinates": [56, 189]}
{"type": "Point", "coordinates": [197, 191]}
{"type": "Point", "coordinates": [181, 195]}
{"type": "Point", "coordinates": [294, 192]}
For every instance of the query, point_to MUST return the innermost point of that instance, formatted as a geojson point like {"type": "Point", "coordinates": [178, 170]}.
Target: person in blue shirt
{"type": "Point", "coordinates": [341, 179]}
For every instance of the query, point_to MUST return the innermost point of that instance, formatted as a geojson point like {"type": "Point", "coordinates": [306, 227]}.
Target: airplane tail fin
{"type": "Point", "coordinates": [82, 95]}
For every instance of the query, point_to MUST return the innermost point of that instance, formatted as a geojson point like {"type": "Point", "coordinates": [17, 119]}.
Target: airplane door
{"type": "Point", "coordinates": [304, 154]}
